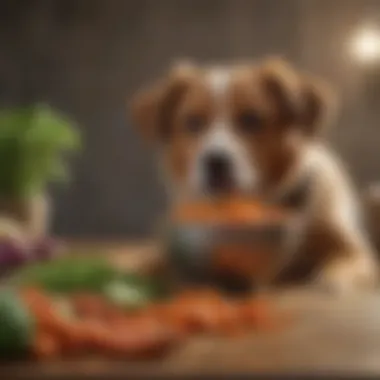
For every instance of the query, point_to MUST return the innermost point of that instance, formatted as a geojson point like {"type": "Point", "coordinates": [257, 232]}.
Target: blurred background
{"type": "Point", "coordinates": [86, 58]}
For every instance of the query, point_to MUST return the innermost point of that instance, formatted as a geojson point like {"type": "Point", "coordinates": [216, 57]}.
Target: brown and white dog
{"type": "Point", "coordinates": [255, 128]}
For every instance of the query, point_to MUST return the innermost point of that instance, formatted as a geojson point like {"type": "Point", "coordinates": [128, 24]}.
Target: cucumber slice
{"type": "Point", "coordinates": [126, 295]}
{"type": "Point", "coordinates": [17, 326]}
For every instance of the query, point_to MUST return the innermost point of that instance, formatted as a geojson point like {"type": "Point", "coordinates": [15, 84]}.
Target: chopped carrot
{"type": "Point", "coordinates": [45, 346]}
{"type": "Point", "coordinates": [257, 314]}
{"type": "Point", "coordinates": [94, 334]}
{"type": "Point", "coordinates": [229, 210]}
{"type": "Point", "coordinates": [89, 305]}
{"type": "Point", "coordinates": [140, 337]}
{"type": "Point", "coordinates": [193, 313]}
{"type": "Point", "coordinates": [147, 333]}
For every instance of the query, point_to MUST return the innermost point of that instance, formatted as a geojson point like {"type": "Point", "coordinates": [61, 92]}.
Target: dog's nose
{"type": "Point", "coordinates": [218, 171]}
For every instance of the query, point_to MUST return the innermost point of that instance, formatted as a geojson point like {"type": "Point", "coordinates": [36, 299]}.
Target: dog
{"type": "Point", "coordinates": [257, 128]}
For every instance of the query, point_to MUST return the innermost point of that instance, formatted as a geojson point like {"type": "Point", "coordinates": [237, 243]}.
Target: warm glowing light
{"type": "Point", "coordinates": [365, 46]}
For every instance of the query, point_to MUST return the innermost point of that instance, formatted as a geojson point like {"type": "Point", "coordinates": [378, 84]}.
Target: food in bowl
{"type": "Point", "coordinates": [241, 241]}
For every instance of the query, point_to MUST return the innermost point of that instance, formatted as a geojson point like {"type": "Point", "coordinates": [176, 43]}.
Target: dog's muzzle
{"type": "Point", "coordinates": [218, 172]}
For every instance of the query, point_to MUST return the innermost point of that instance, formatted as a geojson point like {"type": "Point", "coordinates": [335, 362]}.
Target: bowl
{"type": "Point", "coordinates": [232, 244]}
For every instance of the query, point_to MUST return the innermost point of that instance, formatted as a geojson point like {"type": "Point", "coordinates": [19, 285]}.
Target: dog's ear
{"type": "Point", "coordinates": [281, 85]}
{"type": "Point", "coordinates": [152, 108]}
{"type": "Point", "coordinates": [319, 105]}
{"type": "Point", "coordinates": [300, 100]}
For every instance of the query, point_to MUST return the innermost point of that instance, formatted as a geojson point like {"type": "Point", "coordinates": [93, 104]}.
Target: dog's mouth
{"type": "Point", "coordinates": [220, 184]}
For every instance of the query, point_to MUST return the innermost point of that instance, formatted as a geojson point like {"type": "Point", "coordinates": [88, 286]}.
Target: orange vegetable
{"type": "Point", "coordinates": [228, 210]}
{"type": "Point", "coordinates": [89, 305]}
{"type": "Point", "coordinates": [195, 312]}
{"type": "Point", "coordinates": [230, 321]}
{"type": "Point", "coordinates": [257, 314]}
{"type": "Point", "coordinates": [45, 346]}
{"type": "Point", "coordinates": [35, 299]}
{"type": "Point", "coordinates": [94, 335]}
{"type": "Point", "coordinates": [145, 334]}
{"type": "Point", "coordinates": [139, 337]}
{"type": "Point", "coordinates": [42, 307]}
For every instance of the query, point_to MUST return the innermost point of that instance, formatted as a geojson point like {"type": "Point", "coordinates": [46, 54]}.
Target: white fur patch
{"type": "Point", "coordinates": [331, 199]}
{"type": "Point", "coordinates": [219, 81]}
{"type": "Point", "coordinates": [221, 138]}
{"type": "Point", "coordinates": [331, 180]}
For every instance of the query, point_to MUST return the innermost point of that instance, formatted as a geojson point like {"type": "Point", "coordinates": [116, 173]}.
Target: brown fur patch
{"type": "Point", "coordinates": [153, 108]}
{"type": "Point", "coordinates": [319, 105]}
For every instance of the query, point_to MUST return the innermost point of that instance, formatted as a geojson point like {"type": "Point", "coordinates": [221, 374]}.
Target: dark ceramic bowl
{"type": "Point", "coordinates": [230, 255]}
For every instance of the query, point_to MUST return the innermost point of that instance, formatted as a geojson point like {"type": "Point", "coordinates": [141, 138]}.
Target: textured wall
{"type": "Point", "coordinates": [86, 57]}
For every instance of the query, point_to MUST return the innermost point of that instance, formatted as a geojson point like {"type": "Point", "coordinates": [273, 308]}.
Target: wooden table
{"type": "Point", "coordinates": [329, 335]}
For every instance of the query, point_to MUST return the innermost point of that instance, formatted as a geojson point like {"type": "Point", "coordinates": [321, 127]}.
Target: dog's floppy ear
{"type": "Point", "coordinates": [281, 85]}
{"type": "Point", "coordinates": [319, 105]}
{"type": "Point", "coordinates": [152, 108]}
{"type": "Point", "coordinates": [300, 100]}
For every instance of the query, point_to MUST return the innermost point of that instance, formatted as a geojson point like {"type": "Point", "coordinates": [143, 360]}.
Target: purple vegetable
{"type": "Point", "coordinates": [12, 254]}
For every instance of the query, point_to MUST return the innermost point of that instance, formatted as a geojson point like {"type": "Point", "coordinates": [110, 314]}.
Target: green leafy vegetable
{"type": "Point", "coordinates": [94, 274]}
{"type": "Point", "coordinates": [67, 274]}
{"type": "Point", "coordinates": [33, 141]}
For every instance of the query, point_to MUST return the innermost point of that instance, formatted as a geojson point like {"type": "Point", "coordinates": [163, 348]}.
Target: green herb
{"type": "Point", "coordinates": [71, 274]}
{"type": "Point", "coordinates": [67, 274]}
{"type": "Point", "coordinates": [33, 141]}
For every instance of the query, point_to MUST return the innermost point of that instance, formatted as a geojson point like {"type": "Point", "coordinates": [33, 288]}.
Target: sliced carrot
{"type": "Point", "coordinates": [89, 305]}
{"type": "Point", "coordinates": [45, 346]}
{"type": "Point", "coordinates": [227, 210]}
{"type": "Point", "coordinates": [257, 314]}
{"type": "Point", "coordinates": [140, 338]}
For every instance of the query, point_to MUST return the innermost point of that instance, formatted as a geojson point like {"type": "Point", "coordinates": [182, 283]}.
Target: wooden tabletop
{"type": "Point", "coordinates": [329, 334]}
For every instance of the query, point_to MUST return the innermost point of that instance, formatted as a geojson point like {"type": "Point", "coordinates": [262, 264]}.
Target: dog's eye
{"type": "Point", "coordinates": [194, 123]}
{"type": "Point", "coordinates": [249, 121]}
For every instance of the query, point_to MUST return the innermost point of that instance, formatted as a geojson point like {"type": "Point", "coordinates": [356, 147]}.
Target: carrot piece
{"type": "Point", "coordinates": [140, 337]}
{"type": "Point", "coordinates": [193, 312]}
{"type": "Point", "coordinates": [45, 346]}
{"type": "Point", "coordinates": [257, 314]}
{"type": "Point", "coordinates": [89, 305]}
{"type": "Point", "coordinates": [228, 210]}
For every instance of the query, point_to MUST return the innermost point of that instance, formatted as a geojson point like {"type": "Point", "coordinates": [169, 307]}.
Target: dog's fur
{"type": "Point", "coordinates": [267, 118]}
